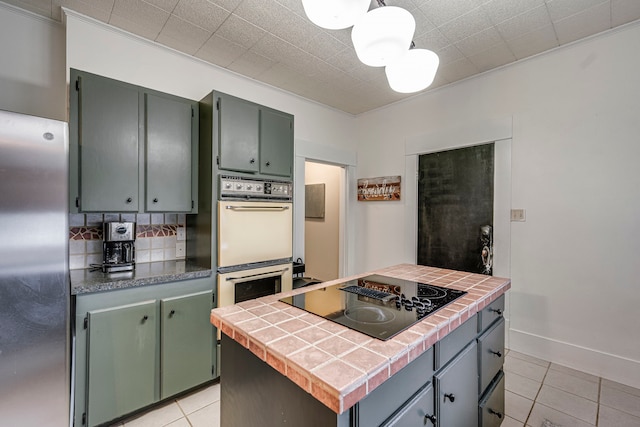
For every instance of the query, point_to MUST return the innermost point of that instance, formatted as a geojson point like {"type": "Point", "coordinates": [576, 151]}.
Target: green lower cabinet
{"type": "Point", "coordinates": [121, 360]}
{"type": "Point", "coordinates": [185, 356]}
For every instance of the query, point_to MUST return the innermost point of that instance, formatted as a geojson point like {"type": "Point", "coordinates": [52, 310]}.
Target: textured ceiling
{"type": "Point", "coordinates": [272, 40]}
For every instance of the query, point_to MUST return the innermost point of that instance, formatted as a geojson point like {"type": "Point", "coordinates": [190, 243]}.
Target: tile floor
{"type": "Point", "coordinates": [538, 394]}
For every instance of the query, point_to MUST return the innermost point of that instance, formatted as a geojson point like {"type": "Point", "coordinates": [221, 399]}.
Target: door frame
{"type": "Point", "coordinates": [497, 130]}
{"type": "Point", "coordinates": [346, 159]}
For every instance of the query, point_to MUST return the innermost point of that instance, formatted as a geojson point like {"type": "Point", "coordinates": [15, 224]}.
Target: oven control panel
{"type": "Point", "coordinates": [247, 188]}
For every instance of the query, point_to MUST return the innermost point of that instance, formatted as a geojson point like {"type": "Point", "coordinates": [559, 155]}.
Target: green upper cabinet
{"type": "Point", "coordinates": [131, 149]}
{"type": "Point", "coordinates": [168, 155]}
{"type": "Point", "coordinates": [108, 136]}
{"type": "Point", "coordinates": [252, 138]}
{"type": "Point", "coordinates": [276, 142]}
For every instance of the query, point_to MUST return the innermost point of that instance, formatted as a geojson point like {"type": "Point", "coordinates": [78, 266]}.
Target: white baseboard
{"type": "Point", "coordinates": [605, 365]}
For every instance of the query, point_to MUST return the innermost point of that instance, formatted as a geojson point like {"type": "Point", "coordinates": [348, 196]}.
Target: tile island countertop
{"type": "Point", "coordinates": [339, 366]}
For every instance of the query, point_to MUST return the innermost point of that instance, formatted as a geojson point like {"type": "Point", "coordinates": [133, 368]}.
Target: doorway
{"type": "Point", "coordinates": [455, 209]}
{"type": "Point", "coordinates": [324, 185]}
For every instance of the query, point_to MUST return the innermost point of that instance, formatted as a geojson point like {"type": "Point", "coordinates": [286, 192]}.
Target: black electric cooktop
{"type": "Point", "coordinates": [378, 306]}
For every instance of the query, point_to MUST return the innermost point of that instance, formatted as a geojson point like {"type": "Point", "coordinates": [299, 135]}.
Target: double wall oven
{"type": "Point", "coordinates": [255, 238]}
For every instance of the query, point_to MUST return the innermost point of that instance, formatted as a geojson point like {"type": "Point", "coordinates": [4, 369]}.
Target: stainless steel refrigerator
{"type": "Point", "coordinates": [34, 284]}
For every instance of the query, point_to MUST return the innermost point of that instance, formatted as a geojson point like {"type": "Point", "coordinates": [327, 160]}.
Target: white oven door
{"type": "Point", "coordinates": [250, 232]}
{"type": "Point", "coordinates": [258, 278]}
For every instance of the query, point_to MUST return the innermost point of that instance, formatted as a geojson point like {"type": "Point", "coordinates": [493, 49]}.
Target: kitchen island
{"type": "Point", "coordinates": [284, 366]}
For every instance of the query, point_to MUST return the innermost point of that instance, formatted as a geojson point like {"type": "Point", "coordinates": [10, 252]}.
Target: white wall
{"type": "Point", "coordinates": [574, 262]}
{"type": "Point", "coordinates": [32, 73]}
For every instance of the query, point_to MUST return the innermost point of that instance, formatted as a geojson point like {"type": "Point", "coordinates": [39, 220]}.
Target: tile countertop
{"type": "Point", "coordinates": [90, 280]}
{"type": "Point", "coordinates": [335, 364]}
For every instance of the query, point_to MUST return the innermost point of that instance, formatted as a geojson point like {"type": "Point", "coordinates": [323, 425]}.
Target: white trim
{"type": "Point", "coordinates": [605, 365]}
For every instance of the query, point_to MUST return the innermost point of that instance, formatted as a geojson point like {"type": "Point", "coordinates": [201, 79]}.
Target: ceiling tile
{"type": "Point", "coordinates": [201, 13]}
{"type": "Point", "coordinates": [583, 24]}
{"type": "Point", "coordinates": [346, 60]}
{"type": "Point", "coordinates": [500, 10]}
{"type": "Point", "coordinates": [442, 11]}
{"type": "Point", "coordinates": [458, 70]}
{"type": "Point", "coordinates": [423, 24]}
{"type": "Point", "coordinates": [281, 76]}
{"type": "Point", "coordinates": [493, 57]}
{"type": "Point", "coordinates": [405, 4]}
{"type": "Point", "coordinates": [240, 31]}
{"type": "Point", "coordinates": [433, 40]}
{"type": "Point", "coordinates": [534, 42]}
{"type": "Point", "coordinates": [623, 11]}
{"type": "Point", "coordinates": [41, 7]}
{"type": "Point", "coordinates": [251, 64]}
{"type": "Point", "coordinates": [229, 5]}
{"type": "Point", "coordinates": [220, 51]}
{"type": "Point", "coordinates": [138, 17]}
{"type": "Point", "coordinates": [182, 35]}
{"type": "Point", "coordinates": [264, 14]}
{"type": "Point", "coordinates": [293, 28]}
{"type": "Point", "coordinates": [449, 54]}
{"type": "Point", "coordinates": [479, 41]}
{"type": "Point", "coordinates": [273, 47]}
{"type": "Point", "coordinates": [472, 22]}
{"type": "Point", "coordinates": [97, 9]}
{"type": "Point", "coordinates": [323, 45]}
{"type": "Point", "coordinates": [524, 23]}
{"type": "Point", "coordinates": [167, 5]}
{"type": "Point", "coordinates": [293, 5]}
{"type": "Point", "coordinates": [559, 9]}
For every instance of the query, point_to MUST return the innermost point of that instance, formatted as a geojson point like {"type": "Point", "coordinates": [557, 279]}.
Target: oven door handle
{"type": "Point", "coordinates": [258, 208]}
{"type": "Point", "coordinates": [258, 276]}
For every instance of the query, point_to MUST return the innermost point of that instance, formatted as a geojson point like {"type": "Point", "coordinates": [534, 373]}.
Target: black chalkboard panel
{"type": "Point", "coordinates": [455, 198]}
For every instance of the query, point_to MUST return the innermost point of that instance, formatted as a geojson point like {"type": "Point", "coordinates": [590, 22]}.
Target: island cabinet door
{"type": "Point", "coordinates": [417, 412]}
{"type": "Point", "coordinates": [457, 390]}
{"type": "Point", "coordinates": [121, 360]}
{"type": "Point", "coordinates": [186, 356]}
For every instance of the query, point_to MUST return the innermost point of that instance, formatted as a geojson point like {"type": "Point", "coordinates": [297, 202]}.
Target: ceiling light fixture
{"type": "Point", "coordinates": [335, 14]}
{"type": "Point", "coordinates": [413, 72]}
{"type": "Point", "coordinates": [383, 35]}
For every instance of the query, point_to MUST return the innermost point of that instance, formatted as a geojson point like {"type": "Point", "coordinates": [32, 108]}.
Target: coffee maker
{"type": "Point", "coordinates": [118, 246]}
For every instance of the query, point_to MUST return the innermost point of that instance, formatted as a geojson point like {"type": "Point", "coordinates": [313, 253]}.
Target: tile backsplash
{"type": "Point", "coordinates": [159, 237]}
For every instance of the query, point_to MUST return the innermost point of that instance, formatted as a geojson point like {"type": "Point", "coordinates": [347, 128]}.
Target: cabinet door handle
{"type": "Point", "coordinates": [129, 200]}
{"type": "Point", "coordinates": [431, 418]}
{"type": "Point", "coordinates": [252, 161]}
{"type": "Point", "coordinates": [496, 311]}
{"type": "Point", "coordinates": [497, 414]}
{"type": "Point", "coordinates": [144, 318]}
{"type": "Point", "coordinates": [268, 163]}
{"type": "Point", "coordinates": [497, 353]}
{"type": "Point", "coordinates": [450, 396]}
{"type": "Point", "coordinates": [155, 200]}
{"type": "Point", "coordinates": [171, 313]}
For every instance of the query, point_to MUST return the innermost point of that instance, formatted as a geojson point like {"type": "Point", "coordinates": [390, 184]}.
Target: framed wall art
{"type": "Point", "coordinates": [384, 188]}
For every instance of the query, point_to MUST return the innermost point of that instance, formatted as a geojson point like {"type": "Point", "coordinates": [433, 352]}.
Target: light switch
{"type": "Point", "coordinates": [518, 215]}
{"type": "Point", "coordinates": [180, 249]}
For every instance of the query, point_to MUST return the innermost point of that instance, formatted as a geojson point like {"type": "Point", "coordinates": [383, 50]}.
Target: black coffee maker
{"type": "Point", "coordinates": [118, 246]}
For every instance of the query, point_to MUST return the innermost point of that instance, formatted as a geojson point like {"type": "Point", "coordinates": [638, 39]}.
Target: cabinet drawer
{"type": "Point", "coordinates": [418, 411]}
{"type": "Point", "coordinates": [491, 353]}
{"type": "Point", "coordinates": [388, 397]}
{"type": "Point", "coordinates": [491, 408]}
{"type": "Point", "coordinates": [452, 344]}
{"type": "Point", "coordinates": [490, 313]}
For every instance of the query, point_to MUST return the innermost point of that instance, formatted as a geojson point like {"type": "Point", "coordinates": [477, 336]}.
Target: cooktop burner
{"type": "Point", "coordinates": [378, 306]}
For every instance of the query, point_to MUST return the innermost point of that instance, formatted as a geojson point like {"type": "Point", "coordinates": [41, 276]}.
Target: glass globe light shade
{"type": "Point", "coordinates": [383, 35]}
{"type": "Point", "coordinates": [413, 72]}
{"type": "Point", "coordinates": [335, 14]}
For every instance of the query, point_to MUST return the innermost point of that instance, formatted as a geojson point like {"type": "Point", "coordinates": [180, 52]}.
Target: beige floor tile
{"type": "Point", "coordinates": [158, 417]}
{"type": "Point", "coordinates": [209, 416]}
{"type": "Point", "coordinates": [524, 368]}
{"type": "Point", "coordinates": [620, 400]}
{"type": "Point", "coordinates": [528, 358]}
{"type": "Point", "coordinates": [517, 407]}
{"type": "Point", "coordinates": [575, 406]}
{"type": "Point", "coordinates": [609, 417]}
{"type": "Point", "coordinates": [182, 422]}
{"type": "Point", "coordinates": [572, 384]}
{"type": "Point", "coordinates": [510, 422]}
{"type": "Point", "coordinates": [522, 386]}
{"type": "Point", "coordinates": [541, 413]}
{"type": "Point", "coordinates": [574, 372]}
{"type": "Point", "coordinates": [622, 387]}
{"type": "Point", "coordinates": [200, 399]}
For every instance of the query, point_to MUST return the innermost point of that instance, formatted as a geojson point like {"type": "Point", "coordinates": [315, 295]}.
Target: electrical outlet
{"type": "Point", "coordinates": [518, 215]}
{"type": "Point", "coordinates": [181, 249]}
{"type": "Point", "coordinates": [180, 234]}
